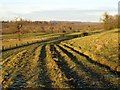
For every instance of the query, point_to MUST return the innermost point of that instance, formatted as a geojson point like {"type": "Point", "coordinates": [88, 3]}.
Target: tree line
{"type": "Point", "coordinates": [110, 21]}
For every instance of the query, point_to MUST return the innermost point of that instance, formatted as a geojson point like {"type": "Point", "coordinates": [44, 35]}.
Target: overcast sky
{"type": "Point", "coordinates": [72, 10]}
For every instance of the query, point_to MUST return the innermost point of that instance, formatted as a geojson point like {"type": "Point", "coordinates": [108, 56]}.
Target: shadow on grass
{"type": "Point", "coordinates": [76, 82]}
{"type": "Point", "coordinates": [44, 76]}
{"type": "Point", "coordinates": [95, 62]}
{"type": "Point", "coordinates": [93, 74]}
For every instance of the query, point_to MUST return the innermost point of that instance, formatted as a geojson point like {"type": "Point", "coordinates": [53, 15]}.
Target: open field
{"type": "Point", "coordinates": [11, 40]}
{"type": "Point", "coordinates": [69, 60]}
{"type": "Point", "coordinates": [60, 44]}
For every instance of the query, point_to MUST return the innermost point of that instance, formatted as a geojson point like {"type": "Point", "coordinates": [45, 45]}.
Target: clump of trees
{"type": "Point", "coordinates": [110, 22]}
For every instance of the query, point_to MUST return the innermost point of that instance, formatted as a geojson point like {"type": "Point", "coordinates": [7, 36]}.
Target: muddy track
{"type": "Point", "coordinates": [88, 70]}
{"type": "Point", "coordinates": [22, 78]}
{"type": "Point", "coordinates": [21, 71]}
{"type": "Point", "coordinates": [73, 78]}
{"type": "Point", "coordinates": [16, 77]}
{"type": "Point", "coordinates": [11, 54]}
{"type": "Point", "coordinates": [94, 62]}
{"type": "Point", "coordinates": [26, 68]}
{"type": "Point", "coordinates": [44, 77]}
{"type": "Point", "coordinates": [56, 75]}
{"type": "Point", "coordinates": [13, 75]}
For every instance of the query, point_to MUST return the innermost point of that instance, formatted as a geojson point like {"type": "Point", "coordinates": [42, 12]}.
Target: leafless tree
{"type": "Point", "coordinates": [19, 26]}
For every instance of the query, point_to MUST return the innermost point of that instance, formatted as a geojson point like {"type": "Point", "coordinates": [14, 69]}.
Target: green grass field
{"type": "Point", "coordinates": [62, 61]}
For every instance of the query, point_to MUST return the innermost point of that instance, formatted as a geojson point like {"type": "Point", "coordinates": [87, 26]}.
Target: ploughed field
{"type": "Point", "coordinates": [70, 61]}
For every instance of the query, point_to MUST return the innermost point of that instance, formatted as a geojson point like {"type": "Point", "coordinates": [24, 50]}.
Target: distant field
{"type": "Point", "coordinates": [69, 60]}
{"type": "Point", "coordinates": [11, 40]}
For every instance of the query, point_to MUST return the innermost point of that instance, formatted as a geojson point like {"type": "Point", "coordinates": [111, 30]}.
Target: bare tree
{"type": "Point", "coordinates": [19, 25]}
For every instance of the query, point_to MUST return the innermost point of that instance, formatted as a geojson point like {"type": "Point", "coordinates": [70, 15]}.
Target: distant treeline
{"type": "Point", "coordinates": [48, 27]}
{"type": "Point", "coordinates": [108, 22]}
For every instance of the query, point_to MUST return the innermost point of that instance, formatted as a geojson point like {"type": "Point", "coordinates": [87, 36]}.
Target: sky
{"type": "Point", "coordinates": [59, 10]}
